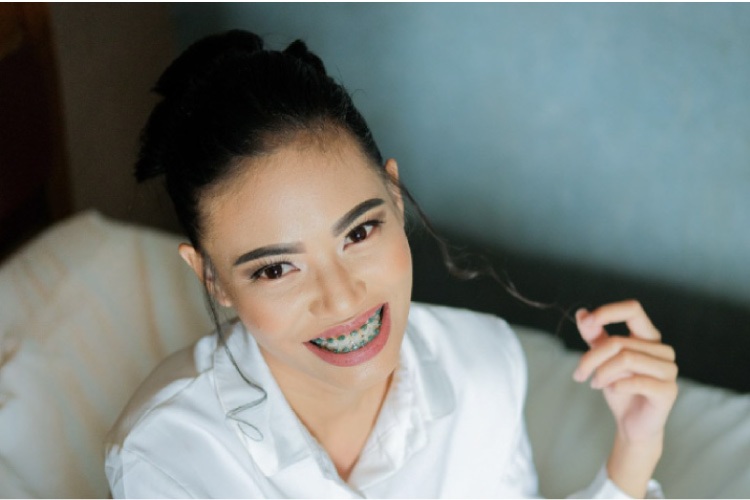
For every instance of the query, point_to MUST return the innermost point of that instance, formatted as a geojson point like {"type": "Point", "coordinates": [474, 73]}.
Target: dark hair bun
{"type": "Point", "coordinates": [203, 58]}
{"type": "Point", "coordinates": [182, 80]}
{"type": "Point", "coordinates": [227, 97]}
{"type": "Point", "coordinates": [299, 50]}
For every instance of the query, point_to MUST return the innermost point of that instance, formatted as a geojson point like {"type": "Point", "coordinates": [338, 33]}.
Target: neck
{"type": "Point", "coordinates": [340, 419]}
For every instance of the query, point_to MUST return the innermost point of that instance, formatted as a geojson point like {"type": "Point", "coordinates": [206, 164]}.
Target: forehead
{"type": "Point", "coordinates": [282, 196]}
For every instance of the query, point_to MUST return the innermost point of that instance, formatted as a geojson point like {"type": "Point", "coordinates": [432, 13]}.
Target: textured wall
{"type": "Point", "coordinates": [615, 135]}
{"type": "Point", "coordinates": [109, 56]}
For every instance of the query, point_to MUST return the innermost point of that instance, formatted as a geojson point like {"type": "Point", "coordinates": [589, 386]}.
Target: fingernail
{"type": "Point", "coordinates": [578, 376]}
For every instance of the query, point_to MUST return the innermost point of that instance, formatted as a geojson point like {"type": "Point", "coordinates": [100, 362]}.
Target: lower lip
{"type": "Point", "coordinates": [361, 355]}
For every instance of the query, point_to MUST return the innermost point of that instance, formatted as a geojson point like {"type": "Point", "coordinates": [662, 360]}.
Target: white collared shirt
{"type": "Point", "coordinates": [451, 426]}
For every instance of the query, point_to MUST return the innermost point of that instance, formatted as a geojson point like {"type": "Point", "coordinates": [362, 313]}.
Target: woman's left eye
{"type": "Point", "coordinates": [362, 232]}
{"type": "Point", "coordinates": [272, 271]}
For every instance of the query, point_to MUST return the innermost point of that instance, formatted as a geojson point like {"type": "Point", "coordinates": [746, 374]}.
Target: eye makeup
{"type": "Point", "coordinates": [265, 255]}
{"type": "Point", "coordinates": [368, 225]}
{"type": "Point", "coordinates": [354, 214]}
{"type": "Point", "coordinates": [257, 272]}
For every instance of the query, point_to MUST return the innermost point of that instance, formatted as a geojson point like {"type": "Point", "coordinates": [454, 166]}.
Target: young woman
{"type": "Point", "coordinates": [331, 382]}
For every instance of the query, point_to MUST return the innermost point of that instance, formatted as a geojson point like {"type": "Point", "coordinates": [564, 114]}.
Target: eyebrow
{"type": "Point", "coordinates": [286, 249]}
{"type": "Point", "coordinates": [268, 251]}
{"type": "Point", "coordinates": [355, 212]}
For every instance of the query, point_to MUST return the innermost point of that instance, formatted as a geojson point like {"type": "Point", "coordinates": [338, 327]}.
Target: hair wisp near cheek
{"type": "Point", "coordinates": [355, 346]}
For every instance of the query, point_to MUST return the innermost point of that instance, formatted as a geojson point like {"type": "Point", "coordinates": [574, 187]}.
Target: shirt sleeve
{"type": "Point", "coordinates": [132, 476]}
{"type": "Point", "coordinates": [521, 471]}
{"type": "Point", "coordinates": [603, 487]}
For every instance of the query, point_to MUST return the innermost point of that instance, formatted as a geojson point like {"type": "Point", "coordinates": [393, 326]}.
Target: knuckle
{"type": "Point", "coordinates": [634, 304]}
{"type": "Point", "coordinates": [671, 354]}
{"type": "Point", "coordinates": [657, 335]}
{"type": "Point", "coordinates": [665, 352]}
{"type": "Point", "coordinates": [626, 358]}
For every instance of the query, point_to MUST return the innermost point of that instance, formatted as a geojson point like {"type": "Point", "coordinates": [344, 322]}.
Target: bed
{"type": "Point", "coordinates": [89, 307]}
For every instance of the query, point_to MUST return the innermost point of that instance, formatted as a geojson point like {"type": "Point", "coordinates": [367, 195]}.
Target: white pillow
{"type": "Point", "coordinates": [86, 312]}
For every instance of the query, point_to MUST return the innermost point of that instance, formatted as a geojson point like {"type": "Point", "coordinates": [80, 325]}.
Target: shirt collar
{"type": "Point", "coordinates": [256, 408]}
{"type": "Point", "coordinates": [433, 386]}
{"type": "Point", "coordinates": [420, 393]}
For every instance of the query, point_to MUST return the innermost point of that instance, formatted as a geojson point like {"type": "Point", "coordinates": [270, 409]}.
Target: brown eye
{"type": "Point", "coordinates": [361, 232]}
{"type": "Point", "coordinates": [272, 271]}
{"type": "Point", "coordinates": [358, 234]}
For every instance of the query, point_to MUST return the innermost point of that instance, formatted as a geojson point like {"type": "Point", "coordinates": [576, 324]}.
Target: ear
{"type": "Point", "coordinates": [391, 168]}
{"type": "Point", "coordinates": [195, 260]}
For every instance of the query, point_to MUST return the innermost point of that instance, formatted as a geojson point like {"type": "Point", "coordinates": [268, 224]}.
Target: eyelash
{"type": "Point", "coordinates": [266, 265]}
{"type": "Point", "coordinates": [373, 223]}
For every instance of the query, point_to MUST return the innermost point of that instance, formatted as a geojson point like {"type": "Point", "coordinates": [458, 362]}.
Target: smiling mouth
{"type": "Point", "coordinates": [354, 340]}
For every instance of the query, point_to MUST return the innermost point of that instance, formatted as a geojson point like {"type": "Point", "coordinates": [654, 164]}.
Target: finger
{"type": "Point", "coordinates": [632, 363]}
{"type": "Point", "coordinates": [661, 392]}
{"type": "Point", "coordinates": [603, 351]}
{"type": "Point", "coordinates": [590, 331]}
{"type": "Point", "coordinates": [629, 312]}
{"type": "Point", "coordinates": [612, 346]}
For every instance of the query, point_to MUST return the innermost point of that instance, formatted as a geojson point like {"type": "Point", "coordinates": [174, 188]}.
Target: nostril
{"type": "Point", "coordinates": [339, 292]}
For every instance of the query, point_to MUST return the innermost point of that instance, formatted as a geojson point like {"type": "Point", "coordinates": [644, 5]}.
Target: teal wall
{"type": "Point", "coordinates": [613, 135]}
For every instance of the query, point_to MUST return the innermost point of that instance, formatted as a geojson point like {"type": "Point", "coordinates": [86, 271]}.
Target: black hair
{"type": "Point", "coordinates": [227, 98]}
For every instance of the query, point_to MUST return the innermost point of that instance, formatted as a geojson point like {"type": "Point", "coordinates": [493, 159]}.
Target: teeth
{"type": "Point", "coordinates": [354, 340]}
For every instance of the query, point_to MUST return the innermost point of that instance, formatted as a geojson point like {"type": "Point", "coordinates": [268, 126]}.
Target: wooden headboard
{"type": "Point", "coordinates": [34, 189]}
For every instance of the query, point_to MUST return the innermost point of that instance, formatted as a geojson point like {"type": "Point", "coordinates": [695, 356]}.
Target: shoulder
{"type": "Point", "coordinates": [471, 345]}
{"type": "Point", "coordinates": [154, 438]}
{"type": "Point", "coordinates": [436, 316]}
{"type": "Point", "coordinates": [174, 439]}
{"type": "Point", "coordinates": [173, 379]}
{"type": "Point", "coordinates": [469, 332]}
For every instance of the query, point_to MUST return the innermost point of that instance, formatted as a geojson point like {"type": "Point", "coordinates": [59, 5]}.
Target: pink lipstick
{"type": "Point", "coordinates": [354, 342]}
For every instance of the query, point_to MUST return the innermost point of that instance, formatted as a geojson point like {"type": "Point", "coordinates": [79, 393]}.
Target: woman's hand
{"type": "Point", "coordinates": [637, 375]}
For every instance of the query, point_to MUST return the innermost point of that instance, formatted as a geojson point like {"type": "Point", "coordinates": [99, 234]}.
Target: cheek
{"type": "Point", "coordinates": [265, 318]}
{"type": "Point", "coordinates": [402, 259]}
{"type": "Point", "coordinates": [395, 266]}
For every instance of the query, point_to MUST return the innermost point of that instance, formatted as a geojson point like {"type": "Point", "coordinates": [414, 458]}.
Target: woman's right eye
{"type": "Point", "coordinates": [272, 271]}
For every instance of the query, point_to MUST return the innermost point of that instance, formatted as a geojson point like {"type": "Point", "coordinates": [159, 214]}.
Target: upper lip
{"type": "Point", "coordinates": [349, 326]}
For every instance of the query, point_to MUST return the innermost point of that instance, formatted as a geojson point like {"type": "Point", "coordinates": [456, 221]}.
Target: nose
{"type": "Point", "coordinates": [339, 293]}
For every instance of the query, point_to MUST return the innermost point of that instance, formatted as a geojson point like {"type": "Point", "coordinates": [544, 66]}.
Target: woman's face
{"type": "Point", "coordinates": [308, 246]}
